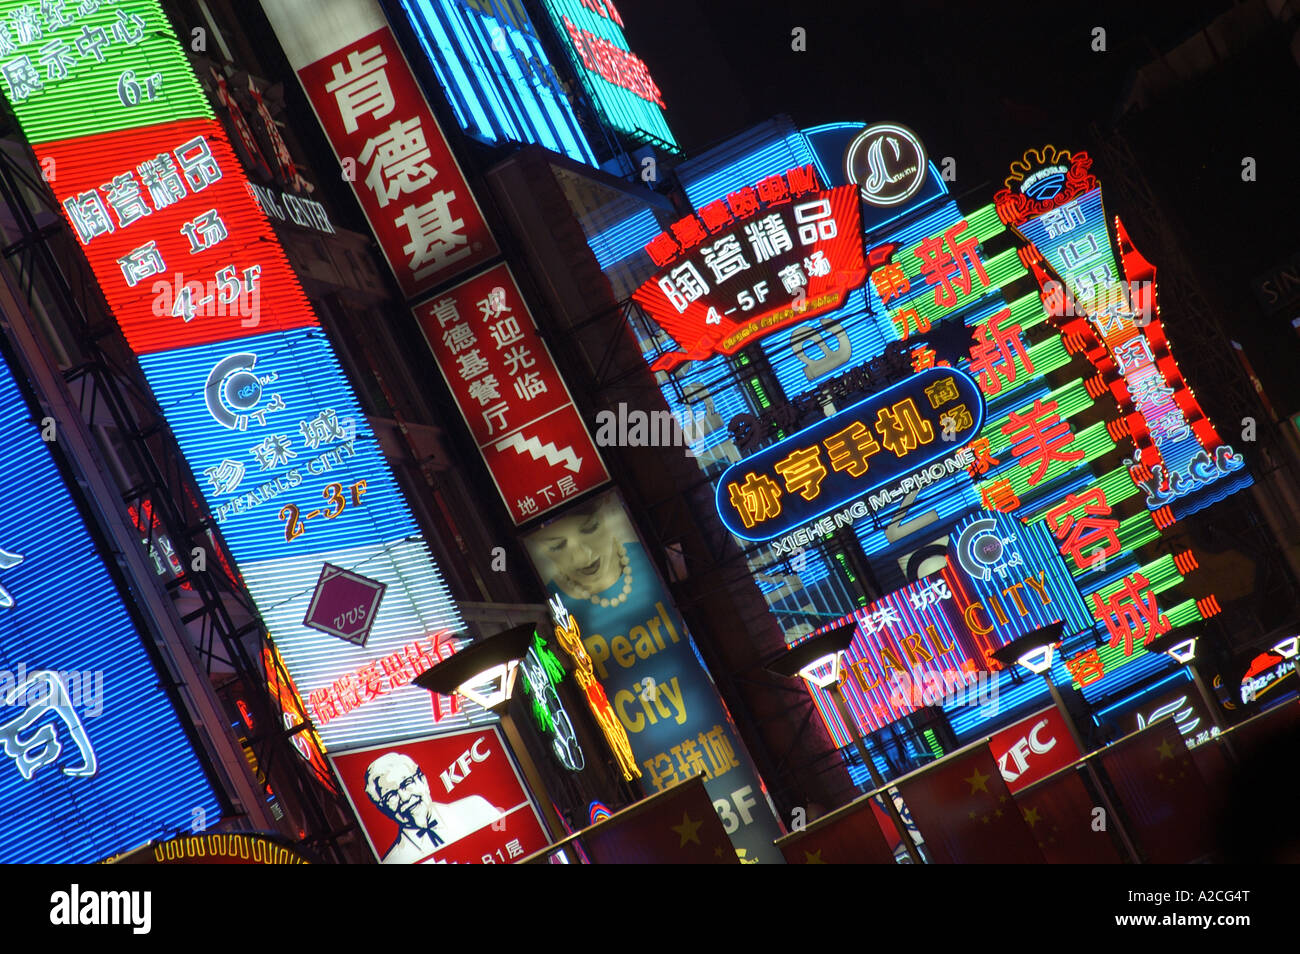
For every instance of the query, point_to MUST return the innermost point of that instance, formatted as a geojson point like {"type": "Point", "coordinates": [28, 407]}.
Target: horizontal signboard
{"type": "Point", "coordinates": [842, 458]}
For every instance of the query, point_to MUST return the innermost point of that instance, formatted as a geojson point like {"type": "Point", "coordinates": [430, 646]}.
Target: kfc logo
{"type": "Point", "coordinates": [1033, 749]}
{"type": "Point", "coordinates": [1018, 754]}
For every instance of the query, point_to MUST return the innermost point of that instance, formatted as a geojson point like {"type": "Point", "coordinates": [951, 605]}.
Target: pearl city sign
{"type": "Point", "coordinates": [245, 376]}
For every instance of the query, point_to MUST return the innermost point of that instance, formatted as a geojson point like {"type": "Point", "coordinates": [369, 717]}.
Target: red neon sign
{"type": "Point", "coordinates": [183, 252]}
{"type": "Point", "coordinates": [769, 256]}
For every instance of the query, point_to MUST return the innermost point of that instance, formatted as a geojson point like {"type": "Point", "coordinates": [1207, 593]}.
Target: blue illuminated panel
{"type": "Point", "coordinates": [216, 398]}
{"type": "Point", "coordinates": [704, 183]}
{"type": "Point", "coordinates": [496, 74]}
{"type": "Point", "coordinates": [120, 770]}
{"type": "Point", "coordinates": [1010, 608]}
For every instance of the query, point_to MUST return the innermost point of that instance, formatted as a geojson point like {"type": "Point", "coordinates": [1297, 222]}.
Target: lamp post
{"type": "Point", "coordinates": [1034, 651]}
{"type": "Point", "coordinates": [818, 661]}
{"type": "Point", "coordinates": [1181, 648]}
{"type": "Point", "coordinates": [485, 672]}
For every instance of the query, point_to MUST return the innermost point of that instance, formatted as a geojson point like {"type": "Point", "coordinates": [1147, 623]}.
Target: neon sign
{"type": "Point", "coordinates": [252, 390]}
{"type": "Point", "coordinates": [569, 637]}
{"type": "Point", "coordinates": [95, 760]}
{"type": "Point", "coordinates": [738, 270]}
{"type": "Point", "coordinates": [1057, 207]}
{"type": "Point", "coordinates": [542, 672]}
{"type": "Point", "coordinates": [615, 78]}
{"type": "Point", "coordinates": [496, 75]}
{"type": "Point", "coordinates": [891, 433]}
{"type": "Point", "coordinates": [888, 163]}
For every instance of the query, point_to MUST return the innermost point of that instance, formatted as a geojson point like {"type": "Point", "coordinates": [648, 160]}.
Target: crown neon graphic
{"type": "Point", "coordinates": [537, 450]}
{"type": "Point", "coordinates": [1035, 158]}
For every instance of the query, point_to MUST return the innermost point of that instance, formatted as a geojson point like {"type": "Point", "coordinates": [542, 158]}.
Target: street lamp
{"type": "Point", "coordinates": [485, 672]}
{"type": "Point", "coordinates": [1181, 648]}
{"type": "Point", "coordinates": [1034, 651]}
{"type": "Point", "coordinates": [1288, 648]}
{"type": "Point", "coordinates": [818, 661]}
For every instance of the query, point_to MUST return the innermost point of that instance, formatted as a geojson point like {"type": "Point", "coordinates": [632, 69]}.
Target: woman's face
{"type": "Point", "coordinates": [583, 549]}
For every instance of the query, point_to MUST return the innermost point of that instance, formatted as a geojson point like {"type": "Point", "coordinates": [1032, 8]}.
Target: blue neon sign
{"type": "Point", "coordinates": [264, 415]}
{"type": "Point", "coordinates": [889, 435]}
{"type": "Point", "coordinates": [96, 760]}
{"type": "Point", "coordinates": [496, 75]}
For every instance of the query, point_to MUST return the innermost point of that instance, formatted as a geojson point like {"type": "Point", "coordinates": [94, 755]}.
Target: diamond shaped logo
{"type": "Point", "coordinates": [344, 604]}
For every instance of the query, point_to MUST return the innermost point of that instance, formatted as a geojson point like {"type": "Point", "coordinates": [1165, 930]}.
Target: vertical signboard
{"type": "Point", "coordinates": [386, 138]}
{"type": "Point", "coordinates": [511, 395]}
{"type": "Point", "coordinates": [251, 388]}
{"type": "Point", "coordinates": [95, 759]}
{"type": "Point", "coordinates": [592, 559]}
{"type": "Point", "coordinates": [454, 799]}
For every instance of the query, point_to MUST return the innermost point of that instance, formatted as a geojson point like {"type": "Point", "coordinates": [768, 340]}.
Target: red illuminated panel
{"type": "Point", "coordinates": [304, 740]}
{"type": "Point", "coordinates": [511, 394]}
{"type": "Point", "coordinates": [408, 183]}
{"type": "Point", "coordinates": [1033, 749]}
{"type": "Point", "coordinates": [182, 251]}
{"type": "Point", "coordinates": [753, 274]}
{"type": "Point", "coordinates": [455, 798]}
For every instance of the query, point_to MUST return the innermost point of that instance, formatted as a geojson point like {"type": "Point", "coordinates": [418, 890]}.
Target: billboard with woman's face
{"type": "Point", "coordinates": [641, 652]}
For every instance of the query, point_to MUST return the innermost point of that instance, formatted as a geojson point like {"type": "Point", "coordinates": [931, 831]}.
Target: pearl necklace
{"type": "Point", "coordinates": [625, 563]}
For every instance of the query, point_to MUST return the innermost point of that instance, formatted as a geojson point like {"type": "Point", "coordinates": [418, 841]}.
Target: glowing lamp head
{"type": "Point", "coordinates": [816, 658]}
{"type": "Point", "coordinates": [1288, 648]}
{"type": "Point", "coordinates": [1184, 652]}
{"type": "Point", "coordinates": [1034, 650]}
{"type": "Point", "coordinates": [484, 671]}
{"type": "Point", "coordinates": [493, 686]}
{"type": "Point", "coordinates": [1176, 644]}
{"type": "Point", "coordinates": [1039, 660]}
{"type": "Point", "coordinates": [823, 672]}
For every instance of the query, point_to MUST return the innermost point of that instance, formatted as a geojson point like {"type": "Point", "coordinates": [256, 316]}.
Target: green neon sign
{"type": "Point", "coordinates": [69, 73]}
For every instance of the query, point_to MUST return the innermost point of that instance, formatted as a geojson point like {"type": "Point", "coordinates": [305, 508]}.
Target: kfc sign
{"type": "Point", "coordinates": [453, 799]}
{"type": "Point", "coordinates": [740, 269]}
{"type": "Point", "coordinates": [1033, 749]}
{"type": "Point", "coordinates": [511, 395]}
{"type": "Point", "coordinates": [387, 140]}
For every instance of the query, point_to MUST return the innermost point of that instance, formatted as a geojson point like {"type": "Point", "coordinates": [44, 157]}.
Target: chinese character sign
{"type": "Point", "coordinates": [408, 183]}
{"type": "Point", "coordinates": [249, 385]}
{"type": "Point", "coordinates": [94, 759]}
{"type": "Point", "coordinates": [453, 799]}
{"type": "Point", "coordinates": [910, 649]}
{"type": "Point", "coordinates": [843, 457]}
{"type": "Point", "coordinates": [1010, 579]}
{"type": "Point", "coordinates": [741, 268]}
{"type": "Point", "coordinates": [514, 401]}
{"type": "Point", "coordinates": [635, 648]}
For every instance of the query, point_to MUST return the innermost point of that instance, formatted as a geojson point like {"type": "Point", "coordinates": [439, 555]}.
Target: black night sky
{"type": "Point", "coordinates": [974, 79]}
{"type": "Point", "coordinates": [981, 82]}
